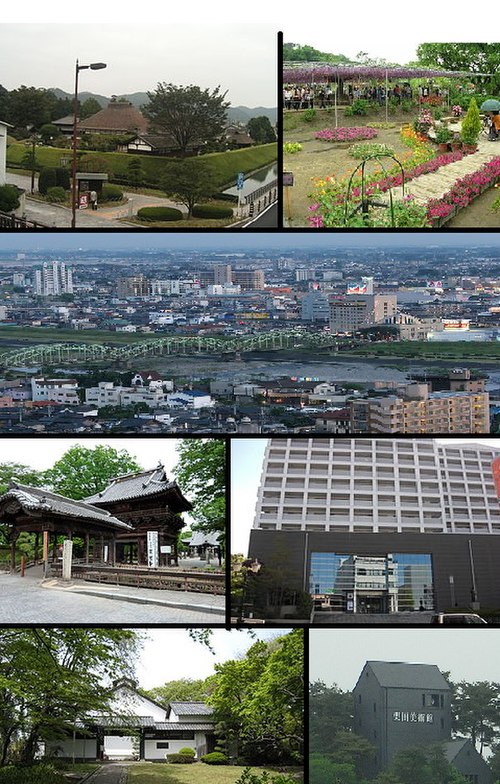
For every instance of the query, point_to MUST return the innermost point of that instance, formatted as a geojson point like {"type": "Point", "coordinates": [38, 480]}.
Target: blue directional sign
{"type": "Point", "coordinates": [240, 180]}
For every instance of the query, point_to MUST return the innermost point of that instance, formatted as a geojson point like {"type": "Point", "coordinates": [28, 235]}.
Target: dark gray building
{"type": "Point", "coordinates": [398, 706]}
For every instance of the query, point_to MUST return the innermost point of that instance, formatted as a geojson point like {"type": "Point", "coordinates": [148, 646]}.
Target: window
{"type": "Point", "coordinates": [162, 744]}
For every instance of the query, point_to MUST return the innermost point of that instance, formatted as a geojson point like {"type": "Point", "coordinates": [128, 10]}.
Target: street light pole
{"type": "Point", "coordinates": [78, 68]}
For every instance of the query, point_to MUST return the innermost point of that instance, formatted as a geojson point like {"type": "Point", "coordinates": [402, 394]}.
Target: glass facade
{"type": "Point", "coordinates": [395, 582]}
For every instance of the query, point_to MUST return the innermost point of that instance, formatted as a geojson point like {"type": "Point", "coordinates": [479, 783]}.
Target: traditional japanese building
{"type": "Point", "coordinates": [137, 727]}
{"type": "Point", "coordinates": [148, 502]}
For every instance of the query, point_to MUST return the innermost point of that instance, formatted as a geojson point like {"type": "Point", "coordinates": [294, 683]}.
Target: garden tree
{"type": "Point", "coordinates": [182, 690]}
{"type": "Point", "coordinates": [331, 712]}
{"type": "Point", "coordinates": [89, 107]}
{"type": "Point", "coordinates": [51, 676]}
{"type": "Point", "coordinates": [323, 771]}
{"type": "Point", "coordinates": [426, 765]}
{"type": "Point", "coordinates": [190, 115]}
{"type": "Point", "coordinates": [261, 130]}
{"type": "Point", "coordinates": [476, 712]}
{"type": "Point", "coordinates": [474, 58]}
{"type": "Point", "coordinates": [135, 173]}
{"type": "Point", "coordinates": [30, 106]}
{"type": "Point", "coordinates": [188, 182]}
{"type": "Point", "coordinates": [258, 701]}
{"type": "Point", "coordinates": [9, 198]}
{"type": "Point", "coordinates": [48, 132]}
{"type": "Point", "coordinates": [201, 472]}
{"type": "Point", "coordinates": [94, 163]}
{"type": "Point", "coordinates": [82, 471]}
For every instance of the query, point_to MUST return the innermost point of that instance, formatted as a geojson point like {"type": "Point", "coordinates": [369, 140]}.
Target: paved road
{"type": "Point", "coordinates": [25, 601]}
{"type": "Point", "coordinates": [372, 619]}
{"type": "Point", "coordinates": [266, 219]}
{"type": "Point", "coordinates": [114, 773]}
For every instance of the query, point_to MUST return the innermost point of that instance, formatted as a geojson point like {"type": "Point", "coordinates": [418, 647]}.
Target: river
{"type": "Point", "coordinates": [255, 180]}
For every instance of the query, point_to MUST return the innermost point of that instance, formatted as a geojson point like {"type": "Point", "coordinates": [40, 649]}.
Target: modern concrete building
{"type": "Point", "coordinates": [249, 280]}
{"type": "Point", "coordinates": [53, 278]}
{"type": "Point", "coordinates": [398, 706]}
{"type": "Point", "coordinates": [427, 512]}
{"type": "Point", "coordinates": [315, 307]}
{"type": "Point", "coordinates": [414, 409]}
{"type": "Point", "coordinates": [356, 311]}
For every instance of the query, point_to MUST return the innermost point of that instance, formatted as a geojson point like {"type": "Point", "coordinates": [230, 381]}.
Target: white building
{"type": "Point", "coordinates": [53, 278]}
{"type": "Point", "coordinates": [3, 150]}
{"type": "Point", "coordinates": [154, 395]}
{"type": "Point", "coordinates": [190, 399]}
{"type": "Point", "coordinates": [377, 485]}
{"type": "Point", "coordinates": [154, 730]}
{"type": "Point", "coordinates": [55, 390]}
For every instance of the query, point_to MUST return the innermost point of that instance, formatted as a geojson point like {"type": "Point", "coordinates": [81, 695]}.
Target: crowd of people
{"type": "Point", "coordinates": [323, 95]}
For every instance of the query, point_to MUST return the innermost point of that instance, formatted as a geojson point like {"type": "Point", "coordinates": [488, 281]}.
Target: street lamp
{"type": "Point", "coordinates": [78, 68]}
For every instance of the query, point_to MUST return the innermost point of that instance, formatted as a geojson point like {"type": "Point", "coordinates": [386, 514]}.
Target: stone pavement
{"type": "Point", "coordinates": [436, 184]}
{"type": "Point", "coordinates": [110, 773]}
{"type": "Point", "coordinates": [24, 600]}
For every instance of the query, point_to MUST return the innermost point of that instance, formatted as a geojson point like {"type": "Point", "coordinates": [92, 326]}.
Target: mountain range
{"type": "Point", "coordinates": [240, 114]}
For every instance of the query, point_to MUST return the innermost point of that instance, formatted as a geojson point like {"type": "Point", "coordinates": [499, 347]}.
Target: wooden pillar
{"type": "Point", "coordinates": [13, 554]}
{"type": "Point", "coordinates": [37, 544]}
{"type": "Point", "coordinates": [112, 551]}
{"type": "Point", "coordinates": [54, 547]}
{"type": "Point", "coordinates": [176, 554]}
{"type": "Point", "coordinates": [87, 547]}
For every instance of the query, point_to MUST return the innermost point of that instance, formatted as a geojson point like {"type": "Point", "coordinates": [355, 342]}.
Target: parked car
{"type": "Point", "coordinates": [457, 619]}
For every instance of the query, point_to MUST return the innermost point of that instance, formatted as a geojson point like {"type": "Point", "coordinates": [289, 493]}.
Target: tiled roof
{"type": "Point", "coordinates": [40, 499]}
{"type": "Point", "coordinates": [191, 708]}
{"type": "Point", "coordinates": [139, 485]}
{"type": "Point", "coordinates": [116, 116]}
{"type": "Point", "coordinates": [199, 538]}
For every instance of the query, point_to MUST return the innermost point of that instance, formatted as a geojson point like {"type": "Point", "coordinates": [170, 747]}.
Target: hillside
{"type": "Point", "coordinates": [235, 113]}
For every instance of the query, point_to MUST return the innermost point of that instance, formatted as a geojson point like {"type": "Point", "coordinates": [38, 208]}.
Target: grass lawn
{"type": "Point", "coordinates": [198, 773]}
{"type": "Point", "coordinates": [452, 350]}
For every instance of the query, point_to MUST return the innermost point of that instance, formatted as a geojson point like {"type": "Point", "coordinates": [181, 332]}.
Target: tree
{"type": "Point", "coordinates": [426, 765]}
{"type": "Point", "coordinates": [473, 58]}
{"type": "Point", "coordinates": [81, 472]}
{"type": "Point", "coordinates": [182, 690]}
{"type": "Point", "coordinates": [188, 182]}
{"type": "Point", "coordinates": [190, 115]}
{"type": "Point", "coordinates": [135, 173]}
{"type": "Point", "coordinates": [476, 712]}
{"type": "Point", "coordinates": [16, 472]}
{"type": "Point", "coordinates": [48, 132]}
{"type": "Point", "coordinates": [261, 130]}
{"type": "Point", "coordinates": [258, 701]}
{"type": "Point", "coordinates": [30, 106]}
{"type": "Point", "coordinates": [9, 198]}
{"type": "Point", "coordinates": [89, 107]}
{"type": "Point", "coordinates": [49, 677]}
{"type": "Point", "coordinates": [323, 771]}
{"type": "Point", "coordinates": [201, 473]}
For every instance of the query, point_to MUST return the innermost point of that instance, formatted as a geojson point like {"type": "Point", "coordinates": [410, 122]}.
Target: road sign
{"type": "Point", "coordinates": [240, 181]}
{"type": "Point", "coordinates": [287, 178]}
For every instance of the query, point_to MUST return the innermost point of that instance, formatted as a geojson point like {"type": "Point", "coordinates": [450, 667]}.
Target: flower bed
{"type": "Point", "coordinates": [354, 134]}
{"type": "Point", "coordinates": [463, 192]}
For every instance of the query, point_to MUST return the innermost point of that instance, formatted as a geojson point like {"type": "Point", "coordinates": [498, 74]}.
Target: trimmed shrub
{"type": "Point", "coordinates": [52, 177]}
{"type": "Point", "coordinates": [56, 194]}
{"type": "Point", "coordinates": [180, 759]}
{"type": "Point", "coordinates": [111, 192]}
{"type": "Point", "coordinates": [159, 214]}
{"type": "Point", "coordinates": [188, 752]}
{"type": "Point", "coordinates": [9, 198]}
{"type": "Point", "coordinates": [215, 758]}
{"type": "Point", "coordinates": [309, 115]}
{"type": "Point", "coordinates": [211, 211]}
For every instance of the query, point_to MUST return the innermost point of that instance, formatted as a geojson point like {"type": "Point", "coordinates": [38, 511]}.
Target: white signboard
{"type": "Point", "coordinates": [153, 550]}
{"type": "Point", "coordinates": [166, 548]}
{"type": "Point", "coordinates": [413, 716]}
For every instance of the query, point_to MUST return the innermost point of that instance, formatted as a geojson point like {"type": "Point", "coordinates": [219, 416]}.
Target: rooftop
{"type": "Point", "coordinates": [140, 484]}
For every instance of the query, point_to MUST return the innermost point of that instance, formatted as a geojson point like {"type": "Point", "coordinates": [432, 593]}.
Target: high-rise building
{"type": "Point", "coordinates": [417, 410]}
{"type": "Point", "coordinates": [134, 286]}
{"type": "Point", "coordinates": [428, 513]}
{"type": "Point", "coordinates": [222, 274]}
{"type": "Point", "coordinates": [53, 278]}
{"type": "Point", "coordinates": [249, 280]}
{"type": "Point", "coordinates": [355, 311]}
{"type": "Point", "coordinates": [314, 307]}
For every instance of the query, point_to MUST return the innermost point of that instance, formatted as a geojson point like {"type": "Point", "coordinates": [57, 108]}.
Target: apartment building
{"type": "Point", "coordinates": [356, 311]}
{"type": "Point", "coordinates": [414, 409]}
{"type": "Point", "coordinates": [53, 278]}
{"type": "Point", "coordinates": [428, 513]}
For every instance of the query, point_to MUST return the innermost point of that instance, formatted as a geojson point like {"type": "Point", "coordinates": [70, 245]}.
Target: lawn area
{"type": "Point", "coordinates": [452, 350]}
{"type": "Point", "coordinates": [198, 773]}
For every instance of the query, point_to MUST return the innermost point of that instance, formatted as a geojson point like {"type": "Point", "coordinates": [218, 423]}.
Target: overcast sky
{"type": "Point", "coordinates": [240, 57]}
{"type": "Point", "coordinates": [170, 654]}
{"type": "Point", "coordinates": [338, 655]}
{"type": "Point", "coordinates": [247, 457]}
{"type": "Point", "coordinates": [285, 241]}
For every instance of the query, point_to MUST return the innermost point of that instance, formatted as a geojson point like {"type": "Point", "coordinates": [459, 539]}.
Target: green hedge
{"type": "Point", "coordinates": [215, 758]}
{"type": "Point", "coordinates": [211, 211]}
{"type": "Point", "coordinates": [180, 759]}
{"type": "Point", "coordinates": [159, 214]}
{"type": "Point", "coordinates": [56, 194]}
{"type": "Point", "coordinates": [111, 192]}
{"type": "Point", "coordinates": [226, 165]}
{"type": "Point", "coordinates": [38, 774]}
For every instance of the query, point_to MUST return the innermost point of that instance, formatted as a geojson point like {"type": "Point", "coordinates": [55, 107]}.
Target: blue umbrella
{"type": "Point", "coordinates": [491, 105]}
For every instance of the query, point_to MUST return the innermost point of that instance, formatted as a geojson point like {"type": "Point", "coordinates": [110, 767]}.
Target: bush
{"type": "Point", "coordinates": [211, 211]}
{"type": "Point", "coordinates": [187, 752]}
{"type": "Point", "coordinates": [9, 198]}
{"type": "Point", "coordinates": [159, 214]}
{"type": "Point", "coordinates": [180, 759]}
{"type": "Point", "coordinates": [309, 115]}
{"type": "Point", "coordinates": [38, 774]}
{"type": "Point", "coordinates": [249, 777]}
{"type": "Point", "coordinates": [56, 194]}
{"type": "Point", "coordinates": [359, 107]}
{"type": "Point", "coordinates": [215, 758]}
{"type": "Point", "coordinates": [52, 177]}
{"type": "Point", "coordinates": [471, 124]}
{"type": "Point", "coordinates": [111, 192]}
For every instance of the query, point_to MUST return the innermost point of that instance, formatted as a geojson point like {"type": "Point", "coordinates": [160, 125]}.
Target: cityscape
{"type": "Point", "coordinates": [210, 335]}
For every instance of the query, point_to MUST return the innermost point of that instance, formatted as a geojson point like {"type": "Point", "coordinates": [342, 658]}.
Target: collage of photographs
{"type": "Point", "coordinates": [249, 401]}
